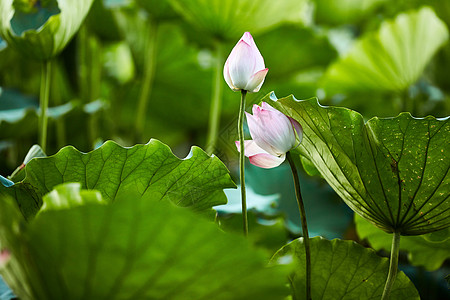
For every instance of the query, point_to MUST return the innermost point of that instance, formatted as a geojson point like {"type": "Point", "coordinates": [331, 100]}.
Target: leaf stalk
{"type": "Point", "coordinates": [43, 103]}
{"type": "Point", "coordinates": [393, 266]}
{"type": "Point", "coordinates": [216, 100]}
{"type": "Point", "coordinates": [301, 208]}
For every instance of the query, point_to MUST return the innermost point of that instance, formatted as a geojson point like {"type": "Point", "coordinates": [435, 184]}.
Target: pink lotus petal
{"type": "Point", "coordinates": [257, 132]}
{"type": "Point", "coordinates": [256, 81]}
{"type": "Point", "coordinates": [272, 131]}
{"type": "Point", "coordinates": [5, 256]}
{"type": "Point", "coordinates": [250, 148]}
{"type": "Point", "coordinates": [266, 106]}
{"type": "Point", "coordinates": [266, 161]}
{"type": "Point", "coordinates": [226, 75]}
{"type": "Point", "coordinates": [259, 60]}
{"type": "Point", "coordinates": [298, 128]}
{"type": "Point", "coordinates": [241, 64]}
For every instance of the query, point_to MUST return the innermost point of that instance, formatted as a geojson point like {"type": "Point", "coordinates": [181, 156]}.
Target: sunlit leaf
{"type": "Point", "coordinates": [131, 249]}
{"type": "Point", "coordinates": [149, 170]}
{"type": "Point", "coordinates": [41, 31]}
{"type": "Point", "coordinates": [69, 195]}
{"type": "Point", "coordinates": [391, 58]}
{"type": "Point", "coordinates": [342, 270]}
{"type": "Point", "coordinates": [393, 172]}
{"type": "Point", "coordinates": [421, 251]}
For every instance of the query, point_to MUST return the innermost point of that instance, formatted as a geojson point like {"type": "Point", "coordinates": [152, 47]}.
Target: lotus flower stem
{"type": "Point", "coordinates": [393, 266]}
{"type": "Point", "coordinates": [216, 100]}
{"type": "Point", "coordinates": [301, 208]}
{"type": "Point", "coordinates": [147, 83]}
{"type": "Point", "coordinates": [242, 161]}
{"type": "Point", "coordinates": [43, 103]}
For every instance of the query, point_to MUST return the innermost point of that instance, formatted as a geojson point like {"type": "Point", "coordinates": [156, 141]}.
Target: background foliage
{"type": "Point", "coordinates": [376, 57]}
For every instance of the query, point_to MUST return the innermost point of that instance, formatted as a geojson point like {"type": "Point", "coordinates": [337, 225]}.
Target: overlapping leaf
{"type": "Point", "coordinates": [342, 270]}
{"type": "Point", "coordinates": [393, 172]}
{"type": "Point", "coordinates": [149, 170]}
{"type": "Point", "coordinates": [131, 249]}
{"type": "Point", "coordinates": [421, 251]}
{"type": "Point", "coordinates": [391, 58]}
{"type": "Point", "coordinates": [41, 40]}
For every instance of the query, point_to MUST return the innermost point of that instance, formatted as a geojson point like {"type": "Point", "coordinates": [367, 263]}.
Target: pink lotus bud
{"type": "Point", "coordinates": [5, 256]}
{"type": "Point", "coordinates": [273, 135]}
{"type": "Point", "coordinates": [244, 68]}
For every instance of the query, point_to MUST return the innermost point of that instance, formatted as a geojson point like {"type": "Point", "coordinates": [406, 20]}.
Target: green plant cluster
{"type": "Point", "coordinates": [109, 210]}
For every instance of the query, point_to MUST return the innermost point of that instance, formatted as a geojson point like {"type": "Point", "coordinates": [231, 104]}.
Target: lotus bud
{"type": "Point", "coordinates": [273, 135]}
{"type": "Point", "coordinates": [244, 68]}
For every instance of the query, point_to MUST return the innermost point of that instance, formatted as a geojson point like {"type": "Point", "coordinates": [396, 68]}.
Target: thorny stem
{"type": "Point", "coordinates": [301, 208]}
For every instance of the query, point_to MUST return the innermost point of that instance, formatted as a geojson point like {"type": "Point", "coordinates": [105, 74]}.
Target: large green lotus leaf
{"type": "Point", "coordinates": [150, 170]}
{"type": "Point", "coordinates": [131, 249]}
{"type": "Point", "coordinates": [342, 270]}
{"type": "Point", "coordinates": [393, 171]}
{"type": "Point", "coordinates": [391, 58]}
{"type": "Point", "coordinates": [343, 11]}
{"type": "Point", "coordinates": [229, 19]}
{"type": "Point", "coordinates": [421, 251]}
{"type": "Point", "coordinates": [42, 37]}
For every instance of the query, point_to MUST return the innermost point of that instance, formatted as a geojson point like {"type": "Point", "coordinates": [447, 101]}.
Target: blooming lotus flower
{"type": "Point", "coordinates": [244, 68]}
{"type": "Point", "coordinates": [273, 135]}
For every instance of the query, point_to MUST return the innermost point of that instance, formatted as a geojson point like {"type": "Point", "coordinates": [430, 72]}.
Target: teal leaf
{"type": "Point", "coordinates": [31, 15]}
{"type": "Point", "coordinates": [391, 58]}
{"type": "Point", "coordinates": [393, 172]}
{"type": "Point", "coordinates": [421, 250]}
{"type": "Point", "coordinates": [41, 31]}
{"type": "Point", "coordinates": [342, 270]}
{"type": "Point", "coordinates": [22, 121]}
{"type": "Point", "coordinates": [151, 171]}
{"type": "Point", "coordinates": [131, 249]}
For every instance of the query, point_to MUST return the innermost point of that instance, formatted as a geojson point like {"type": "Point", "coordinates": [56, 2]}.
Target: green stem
{"type": "Point", "coordinates": [57, 97]}
{"type": "Point", "coordinates": [301, 208]}
{"type": "Point", "coordinates": [149, 72]}
{"type": "Point", "coordinates": [216, 101]}
{"type": "Point", "coordinates": [393, 266]}
{"type": "Point", "coordinates": [43, 102]}
{"type": "Point", "coordinates": [242, 161]}
{"type": "Point", "coordinates": [95, 78]}
{"type": "Point", "coordinates": [90, 76]}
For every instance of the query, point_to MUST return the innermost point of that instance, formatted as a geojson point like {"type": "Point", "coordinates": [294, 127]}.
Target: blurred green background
{"type": "Point", "coordinates": [377, 57]}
